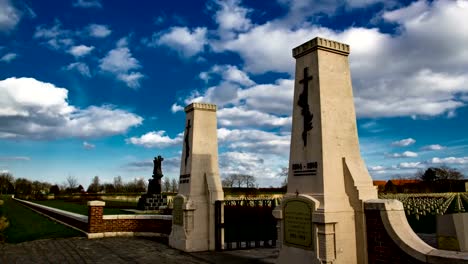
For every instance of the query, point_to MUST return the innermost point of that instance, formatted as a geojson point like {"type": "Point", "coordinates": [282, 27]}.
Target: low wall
{"type": "Point", "coordinates": [100, 223]}
{"type": "Point", "coordinates": [97, 225]}
{"type": "Point", "coordinates": [390, 238]}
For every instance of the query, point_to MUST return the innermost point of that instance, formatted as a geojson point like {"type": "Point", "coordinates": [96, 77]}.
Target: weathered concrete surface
{"type": "Point", "coordinates": [121, 250]}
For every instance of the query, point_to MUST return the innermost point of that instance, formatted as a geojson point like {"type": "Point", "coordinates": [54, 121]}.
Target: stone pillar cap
{"type": "Point", "coordinates": [323, 44]}
{"type": "Point", "coordinates": [96, 203]}
{"type": "Point", "coordinates": [200, 106]}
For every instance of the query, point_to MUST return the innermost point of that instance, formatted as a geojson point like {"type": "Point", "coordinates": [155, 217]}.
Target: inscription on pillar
{"type": "Point", "coordinates": [298, 224]}
{"type": "Point", "coordinates": [177, 211]}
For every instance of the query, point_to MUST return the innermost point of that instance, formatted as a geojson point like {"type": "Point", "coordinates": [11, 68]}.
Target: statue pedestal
{"type": "Point", "coordinates": [151, 202]}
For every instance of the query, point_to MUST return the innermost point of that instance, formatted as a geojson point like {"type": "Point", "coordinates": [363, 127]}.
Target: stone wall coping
{"type": "Point", "coordinates": [397, 226]}
{"type": "Point", "coordinates": [200, 106]}
{"type": "Point", "coordinates": [79, 217]}
{"type": "Point", "coordinates": [96, 203]}
{"type": "Point", "coordinates": [136, 216]}
{"type": "Point", "coordinates": [124, 234]}
{"type": "Point", "coordinates": [320, 43]}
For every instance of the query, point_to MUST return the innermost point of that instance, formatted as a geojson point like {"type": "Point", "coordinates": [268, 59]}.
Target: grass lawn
{"type": "Point", "coordinates": [27, 225]}
{"type": "Point", "coordinates": [80, 207]}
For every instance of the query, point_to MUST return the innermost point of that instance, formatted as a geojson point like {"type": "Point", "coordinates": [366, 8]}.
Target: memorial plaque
{"type": "Point", "coordinates": [177, 211]}
{"type": "Point", "coordinates": [298, 224]}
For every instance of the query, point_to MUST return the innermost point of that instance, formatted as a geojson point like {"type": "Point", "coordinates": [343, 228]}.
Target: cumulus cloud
{"type": "Point", "coordinates": [8, 57]}
{"type": "Point", "coordinates": [121, 63]}
{"type": "Point", "coordinates": [404, 142]}
{"type": "Point", "coordinates": [88, 146]}
{"type": "Point", "coordinates": [406, 154]}
{"type": "Point", "coordinates": [80, 50]}
{"type": "Point", "coordinates": [252, 140]}
{"type": "Point", "coordinates": [450, 160]}
{"type": "Point", "coordinates": [410, 165]}
{"type": "Point", "coordinates": [31, 109]}
{"type": "Point", "coordinates": [80, 67]}
{"type": "Point", "coordinates": [155, 139]}
{"type": "Point", "coordinates": [10, 16]}
{"type": "Point", "coordinates": [87, 3]}
{"type": "Point", "coordinates": [228, 73]}
{"type": "Point", "coordinates": [239, 117]}
{"type": "Point", "coordinates": [98, 31]}
{"type": "Point", "coordinates": [433, 147]}
{"type": "Point", "coordinates": [187, 42]}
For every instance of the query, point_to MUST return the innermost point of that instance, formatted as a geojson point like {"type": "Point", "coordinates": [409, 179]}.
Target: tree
{"type": "Point", "coordinates": [72, 182]}
{"type": "Point", "coordinates": [54, 189]}
{"type": "Point", "coordinates": [6, 183]}
{"type": "Point", "coordinates": [441, 173]}
{"type": "Point", "coordinates": [174, 185]}
{"type": "Point", "coordinates": [118, 184]}
{"type": "Point", "coordinates": [239, 180]}
{"type": "Point", "coordinates": [166, 185]}
{"type": "Point", "coordinates": [95, 185]}
{"type": "Point", "coordinates": [23, 186]}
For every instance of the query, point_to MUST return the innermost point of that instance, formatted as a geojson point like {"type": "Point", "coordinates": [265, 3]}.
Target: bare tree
{"type": "Point", "coordinates": [118, 184]}
{"type": "Point", "coordinates": [95, 185]}
{"type": "Point", "coordinates": [6, 183]}
{"type": "Point", "coordinates": [239, 180]}
{"type": "Point", "coordinates": [166, 185]}
{"type": "Point", "coordinates": [174, 185]}
{"type": "Point", "coordinates": [72, 182]}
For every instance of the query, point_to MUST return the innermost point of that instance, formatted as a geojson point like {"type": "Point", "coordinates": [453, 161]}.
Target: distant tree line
{"type": "Point", "coordinates": [433, 179]}
{"type": "Point", "coordinates": [239, 181]}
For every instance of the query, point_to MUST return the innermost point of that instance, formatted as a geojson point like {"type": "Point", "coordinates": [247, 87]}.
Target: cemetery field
{"type": "Point", "coordinates": [421, 209]}
{"type": "Point", "coordinates": [81, 207]}
{"type": "Point", "coordinates": [27, 225]}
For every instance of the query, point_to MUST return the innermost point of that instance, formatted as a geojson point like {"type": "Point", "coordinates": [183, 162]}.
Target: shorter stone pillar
{"type": "Point", "coordinates": [95, 216]}
{"type": "Point", "coordinates": [193, 222]}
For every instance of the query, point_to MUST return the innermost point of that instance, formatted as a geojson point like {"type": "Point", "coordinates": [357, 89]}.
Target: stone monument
{"type": "Point", "coordinates": [199, 183]}
{"type": "Point", "coordinates": [322, 215]}
{"type": "Point", "coordinates": [153, 199]}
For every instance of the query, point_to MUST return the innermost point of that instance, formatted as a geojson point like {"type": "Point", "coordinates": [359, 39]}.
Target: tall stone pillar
{"type": "Point", "coordinates": [326, 171]}
{"type": "Point", "coordinates": [199, 183]}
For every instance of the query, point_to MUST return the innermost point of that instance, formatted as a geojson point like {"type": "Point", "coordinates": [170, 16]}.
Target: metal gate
{"type": "Point", "coordinates": [247, 224]}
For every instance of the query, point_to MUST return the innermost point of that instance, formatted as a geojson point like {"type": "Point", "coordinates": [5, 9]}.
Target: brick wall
{"type": "Point", "coordinates": [98, 223]}
{"type": "Point", "coordinates": [380, 246]}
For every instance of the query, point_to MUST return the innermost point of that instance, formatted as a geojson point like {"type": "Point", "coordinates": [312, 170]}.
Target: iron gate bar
{"type": "Point", "coordinates": [247, 223]}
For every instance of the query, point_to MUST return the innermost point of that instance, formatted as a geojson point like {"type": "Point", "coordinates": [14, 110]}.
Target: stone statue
{"type": "Point", "coordinates": [154, 185]}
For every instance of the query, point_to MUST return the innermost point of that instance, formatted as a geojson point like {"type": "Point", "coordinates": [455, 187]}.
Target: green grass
{"type": "Point", "coordinates": [27, 225]}
{"type": "Point", "coordinates": [81, 207]}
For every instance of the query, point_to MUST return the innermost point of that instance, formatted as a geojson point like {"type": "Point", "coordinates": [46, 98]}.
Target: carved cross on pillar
{"type": "Point", "coordinates": [303, 102]}
{"type": "Point", "coordinates": [186, 141]}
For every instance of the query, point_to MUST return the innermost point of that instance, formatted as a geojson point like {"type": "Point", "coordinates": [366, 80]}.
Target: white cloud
{"type": "Point", "coordinates": [88, 146]}
{"type": "Point", "coordinates": [240, 117]}
{"type": "Point", "coordinates": [81, 67]}
{"type": "Point", "coordinates": [55, 37]}
{"type": "Point", "coordinates": [8, 57]}
{"type": "Point", "coordinates": [433, 147]}
{"type": "Point", "coordinates": [155, 139]}
{"type": "Point", "coordinates": [87, 3]}
{"type": "Point", "coordinates": [31, 109]}
{"type": "Point", "coordinates": [231, 17]}
{"type": "Point", "coordinates": [410, 165]}
{"type": "Point", "coordinates": [14, 158]}
{"type": "Point", "coordinates": [257, 141]}
{"type": "Point", "coordinates": [121, 63]}
{"type": "Point", "coordinates": [450, 160]}
{"type": "Point", "coordinates": [98, 31]}
{"type": "Point", "coordinates": [9, 16]}
{"type": "Point", "coordinates": [404, 142]}
{"type": "Point", "coordinates": [176, 108]}
{"type": "Point", "coordinates": [80, 50]}
{"type": "Point", "coordinates": [406, 154]}
{"type": "Point", "coordinates": [229, 73]}
{"type": "Point", "coordinates": [186, 42]}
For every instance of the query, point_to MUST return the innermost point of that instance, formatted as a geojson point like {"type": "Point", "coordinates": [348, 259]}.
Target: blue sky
{"type": "Point", "coordinates": [91, 87]}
